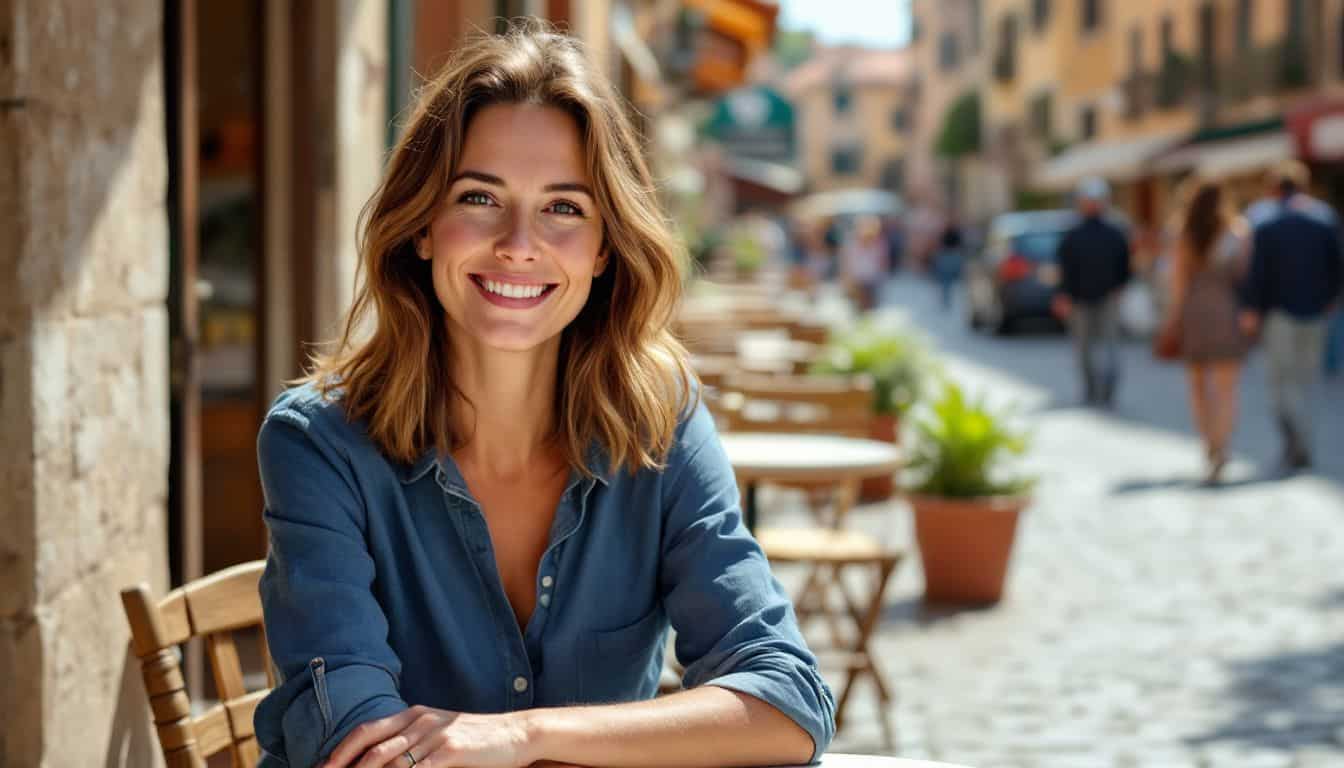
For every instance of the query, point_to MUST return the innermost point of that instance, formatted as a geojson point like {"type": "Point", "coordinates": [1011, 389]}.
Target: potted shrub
{"type": "Point", "coordinates": [965, 500]}
{"type": "Point", "coordinates": [899, 363]}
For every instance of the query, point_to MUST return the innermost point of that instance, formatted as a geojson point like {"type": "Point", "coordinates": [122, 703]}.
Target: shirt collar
{"type": "Point", "coordinates": [596, 458]}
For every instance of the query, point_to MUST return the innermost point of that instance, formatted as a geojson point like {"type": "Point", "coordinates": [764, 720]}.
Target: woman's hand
{"type": "Point", "coordinates": [436, 738]}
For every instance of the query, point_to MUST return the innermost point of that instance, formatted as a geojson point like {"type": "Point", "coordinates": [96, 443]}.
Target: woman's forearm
{"type": "Point", "coordinates": [707, 726]}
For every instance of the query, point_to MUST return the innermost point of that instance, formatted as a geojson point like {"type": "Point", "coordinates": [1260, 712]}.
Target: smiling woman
{"type": "Point", "coordinates": [491, 497]}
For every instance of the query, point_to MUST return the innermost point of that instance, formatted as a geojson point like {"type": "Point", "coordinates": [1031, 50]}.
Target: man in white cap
{"type": "Point", "coordinates": [1094, 269]}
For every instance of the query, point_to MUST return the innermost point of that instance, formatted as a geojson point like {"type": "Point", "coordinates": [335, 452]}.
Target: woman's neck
{"type": "Point", "coordinates": [508, 416]}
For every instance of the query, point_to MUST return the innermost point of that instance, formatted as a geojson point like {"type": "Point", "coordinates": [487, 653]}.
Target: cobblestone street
{"type": "Point", "coordinates": [1147, 623]}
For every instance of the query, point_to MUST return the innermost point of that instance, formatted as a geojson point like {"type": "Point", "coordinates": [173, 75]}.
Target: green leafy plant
{"type": "Point", "coordinates": [898, 361]}
{"type": "Point", "coordinates": [960, 134]}
{"type": "Point", "coordinates": [961, 447]}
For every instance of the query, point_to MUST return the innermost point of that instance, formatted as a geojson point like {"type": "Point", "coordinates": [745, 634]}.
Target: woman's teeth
{"type": "Point", "coordinates": [513, 291]}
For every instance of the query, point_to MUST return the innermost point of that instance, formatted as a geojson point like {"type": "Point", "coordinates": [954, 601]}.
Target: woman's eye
{"type": "Point", "coordinates": [475, 198]}
{"type": "Point", "coordinates": [567, 209]}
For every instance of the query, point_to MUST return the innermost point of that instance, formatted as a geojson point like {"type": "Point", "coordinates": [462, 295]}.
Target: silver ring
{"type": "Point", "coordinates": [407, 754]}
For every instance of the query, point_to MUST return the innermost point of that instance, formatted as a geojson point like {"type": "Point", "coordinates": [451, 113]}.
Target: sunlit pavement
{"type": "Point", "coordinates": [1148, 621]}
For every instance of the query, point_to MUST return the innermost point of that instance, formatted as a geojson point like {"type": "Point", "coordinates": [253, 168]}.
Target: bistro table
{"type": "Point", "coordinates": [802, 458]}
{"type": "Point", "coordinates": [876, 761]}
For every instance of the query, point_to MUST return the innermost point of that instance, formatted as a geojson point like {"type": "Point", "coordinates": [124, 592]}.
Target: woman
{"type": "Point", "coordinates": [866, 260]}
{"type": "Point", "coordinates": [1211, 257]}
{"type": "Point", "coordinates": [488, 502]}
{"type": "Point", "coordinates": [947, 261]}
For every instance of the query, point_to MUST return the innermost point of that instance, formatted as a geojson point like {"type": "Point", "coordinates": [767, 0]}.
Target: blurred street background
{"type": "Point", "coordinates": [873, 195]}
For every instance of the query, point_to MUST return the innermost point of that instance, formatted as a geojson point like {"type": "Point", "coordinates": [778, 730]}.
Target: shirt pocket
{"type": "Point", "coordinates": [623, 664]}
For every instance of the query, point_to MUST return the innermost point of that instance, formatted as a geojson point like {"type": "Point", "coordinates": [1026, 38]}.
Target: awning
{"type": "Point", "coordinates": [1230, 157]}
{"type": "Point", "coordinates": [1112, 160]}
{"type": "Point", "coordinates": [777, 177]}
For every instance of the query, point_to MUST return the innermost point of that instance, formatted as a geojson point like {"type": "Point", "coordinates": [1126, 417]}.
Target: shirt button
{"type": "Point", "coordinates": [547, 581]}
{"type": "Point", "coordinates": [520, 684]}
{"type": "Point", "coordinates": [545, 601]}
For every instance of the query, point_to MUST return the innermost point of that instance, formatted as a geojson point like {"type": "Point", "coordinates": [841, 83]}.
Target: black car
{"type": "Point", "coordinates": [1016, 274]}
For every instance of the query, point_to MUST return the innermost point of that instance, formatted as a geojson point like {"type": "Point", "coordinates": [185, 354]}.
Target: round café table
{"type": "Point", "coordinates": [876, 761]}
{"type": "Point", "coordinates": [787, 457]}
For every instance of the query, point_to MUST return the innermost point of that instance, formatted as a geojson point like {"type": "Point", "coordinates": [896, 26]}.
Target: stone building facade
{"type": "Point", "coordinates": [83, 372]}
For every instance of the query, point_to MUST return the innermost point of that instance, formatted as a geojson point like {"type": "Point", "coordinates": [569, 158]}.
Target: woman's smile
{"type": "Point", "coordinates": [512, 293]}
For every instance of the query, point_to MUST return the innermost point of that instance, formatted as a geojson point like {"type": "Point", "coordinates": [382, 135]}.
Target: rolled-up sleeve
{"type": "Point", "coordinates": [735, 626]}
{"type": "Point", "coordinates": [326, 632]}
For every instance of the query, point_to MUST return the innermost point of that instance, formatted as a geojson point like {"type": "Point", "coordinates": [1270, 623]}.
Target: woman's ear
{"type": "Point", "coordinates": [422, 247]}
{"type": "Point", "coordinates": [603, 258]}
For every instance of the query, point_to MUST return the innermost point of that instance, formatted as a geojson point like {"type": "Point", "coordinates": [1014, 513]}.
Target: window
{"type": "Point", "coordinates": [1041, 116]}
{"type": "Point", "coordinates": [948, 53]}
{"type": "Point", "coordinates": [1135, 84]}
{"type": "Point", "coordinates": [893, 174]}
{"type": "Point", "coordinates": [1208, 30]}
{"type": "Point", "coordinates": [1245, 17]}
{"type": "Point", "coordinates": [900, 119]}
{"type": "Point", "coordinates": [1087, 123]}
{"type": "Point", "coordinates": [846, 160]}
{"type": "Point", "coordinates": [843, 97]}
{"type": "Point", "coordinates": [1005, 60]}
{"type": "Point", "coordinates": [1040, 14]}
{"type": "Point", "coordinates": [1091, 15]}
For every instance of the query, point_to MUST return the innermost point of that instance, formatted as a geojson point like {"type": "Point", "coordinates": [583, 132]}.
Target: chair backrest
{"type": "Point", "coordinates": [833, 405]}
{"type": "Point", "coordinates": [212, 607]}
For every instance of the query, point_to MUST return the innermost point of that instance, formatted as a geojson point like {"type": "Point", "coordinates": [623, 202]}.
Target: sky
{"type": "Point", "coordinates": [873, 23]}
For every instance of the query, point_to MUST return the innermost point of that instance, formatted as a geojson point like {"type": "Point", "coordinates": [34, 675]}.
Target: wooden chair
{"type": "Point", "coordinates": [213, 607]}
{"type": "Point", "coordinates": [840, 551]}
{"type": "Point", "coordinates": [834, 405]}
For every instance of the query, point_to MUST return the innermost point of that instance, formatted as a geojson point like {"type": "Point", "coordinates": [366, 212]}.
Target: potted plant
{"type": "Point", "coordinates": [899, 363]}
{"type": "Point", "coordinates": [965, 500]}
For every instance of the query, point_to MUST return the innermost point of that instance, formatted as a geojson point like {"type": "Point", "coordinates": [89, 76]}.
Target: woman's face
{"type": "Point", "coordinates": [518, 239]}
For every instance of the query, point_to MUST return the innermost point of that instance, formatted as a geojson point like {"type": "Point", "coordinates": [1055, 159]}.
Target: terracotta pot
{"type": "Point", "coordinates": [965, 546]}
{"type": "Point", "coordinates": [887, 428]}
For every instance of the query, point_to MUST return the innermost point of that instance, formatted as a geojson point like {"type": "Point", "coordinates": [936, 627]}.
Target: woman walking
{"type": "Point", "coordinates": [1211, 257]}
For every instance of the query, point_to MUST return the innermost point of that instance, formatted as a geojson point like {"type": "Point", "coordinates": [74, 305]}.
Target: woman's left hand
{"type": "Point", "coordinates": [436, 738]}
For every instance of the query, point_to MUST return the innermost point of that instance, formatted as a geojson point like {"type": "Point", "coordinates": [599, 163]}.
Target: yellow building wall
{"type": "Point", "coordinates": [868, 124]}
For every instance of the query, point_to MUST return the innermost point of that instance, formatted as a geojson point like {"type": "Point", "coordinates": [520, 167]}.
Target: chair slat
{"type": "Point", "coordinates": [212, 730]}
{"type": "Point", "coordinates": [241, 711]}
{"type": "Point", "coordinates": [225, 600]}
{"type": "Point", "coordinates": [228, 668]}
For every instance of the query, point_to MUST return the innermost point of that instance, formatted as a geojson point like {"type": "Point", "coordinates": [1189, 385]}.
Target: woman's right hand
{"type": "Point", "coordinates": [437, 738]}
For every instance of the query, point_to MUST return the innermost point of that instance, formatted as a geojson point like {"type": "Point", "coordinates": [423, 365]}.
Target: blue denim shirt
{"type": "Point", "coordinates": [381, 589]}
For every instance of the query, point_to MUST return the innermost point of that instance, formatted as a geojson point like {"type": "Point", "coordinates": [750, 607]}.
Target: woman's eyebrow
{"type": "Point", "coordinates": [490, 178]}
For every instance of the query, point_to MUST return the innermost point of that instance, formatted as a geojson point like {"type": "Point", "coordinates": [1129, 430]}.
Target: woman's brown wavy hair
{"type": "Point", "coordinates": [623, 381]}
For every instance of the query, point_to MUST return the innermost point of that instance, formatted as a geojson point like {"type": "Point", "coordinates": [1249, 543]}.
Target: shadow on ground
{"type": "Point", "coordinates": [1286, 701]}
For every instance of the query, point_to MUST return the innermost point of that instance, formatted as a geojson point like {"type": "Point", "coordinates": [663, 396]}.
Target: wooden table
{"type": "Point", "coordinates": [877, 761]}
{"type": "Point", "coordinates": [799, 458]}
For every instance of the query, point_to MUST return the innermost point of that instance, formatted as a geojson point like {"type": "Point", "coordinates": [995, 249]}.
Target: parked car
{"type": "Point", "coordinates": [1015, 275]}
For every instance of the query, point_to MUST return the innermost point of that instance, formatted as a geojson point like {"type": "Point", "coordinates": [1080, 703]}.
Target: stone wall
{"type": "Point", "coordinates": [83, 372]}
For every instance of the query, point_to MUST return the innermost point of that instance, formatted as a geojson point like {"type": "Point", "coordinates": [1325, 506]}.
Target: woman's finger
{"type": "Point", "coordinates": [391, 753]}
{"type": "Point", "coordinates": [368, 734]}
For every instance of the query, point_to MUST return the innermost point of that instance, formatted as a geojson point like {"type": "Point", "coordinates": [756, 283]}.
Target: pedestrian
{"type": "Point", "coordinates": [948, 259]}
{"type": "Point", "coordinates": [1094, 269]}
{"type": "Point", "coordinates": [1211, 260]}
{"type": "Point", "coordinates": [492, 496]}
{"type": "Point", "coordinates": [864, 258]}
{"type": "Point", "coordinates": [1297, 271]}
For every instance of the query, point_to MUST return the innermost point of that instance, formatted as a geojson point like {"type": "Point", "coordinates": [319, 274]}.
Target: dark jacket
{"type": "Point", "coordinates": [1296, 266]}
{"type": "Point", "coordinates": [1093, 261]}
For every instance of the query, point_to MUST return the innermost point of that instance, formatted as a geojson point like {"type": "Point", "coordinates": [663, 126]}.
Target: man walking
{"type": "Point", "coordinates": [1297, 271]}
{"type": "Point", "coordinates": [1094, 268]}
